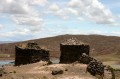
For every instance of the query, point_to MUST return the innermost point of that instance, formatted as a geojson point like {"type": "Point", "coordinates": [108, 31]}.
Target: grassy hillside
{"type": "Point", "coordinates": [99, 45]}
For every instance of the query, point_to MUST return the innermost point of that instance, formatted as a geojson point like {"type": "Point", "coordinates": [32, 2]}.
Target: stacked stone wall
{"type": "Point", "coordinates": [72, 53]}
{"type": "Point", "coordinates": [30, 55]}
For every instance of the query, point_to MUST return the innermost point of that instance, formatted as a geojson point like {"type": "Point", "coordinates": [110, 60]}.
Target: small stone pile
{"type": "Point", "coordinates": [96, 68]}
{"type": "Point", "coordinates": [85, 59]}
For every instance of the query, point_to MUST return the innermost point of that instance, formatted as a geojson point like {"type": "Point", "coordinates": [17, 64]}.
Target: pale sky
{"type": "Point", "coordinates": [32, 19]}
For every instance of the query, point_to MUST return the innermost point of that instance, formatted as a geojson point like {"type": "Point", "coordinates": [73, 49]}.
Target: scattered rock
{"type": "Point", "coordinates": [66, 69]}
{"type": "Point", "coordinates": [57, 71]}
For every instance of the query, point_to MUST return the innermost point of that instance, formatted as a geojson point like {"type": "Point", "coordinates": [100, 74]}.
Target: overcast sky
{"type": "Point", "coordinates": [31, 19]}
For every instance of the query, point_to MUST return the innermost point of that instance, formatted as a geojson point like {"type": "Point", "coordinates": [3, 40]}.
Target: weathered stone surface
{"type": "Point", "coordinates": [57, 71]}
{"type": "Point", "coordinates": [72, 50]}
{"type": "Point", "coordinates": [30, 53]}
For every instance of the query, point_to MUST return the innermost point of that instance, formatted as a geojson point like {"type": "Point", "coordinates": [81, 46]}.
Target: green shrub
{"type": "Point", "coordinates": [1, 71]}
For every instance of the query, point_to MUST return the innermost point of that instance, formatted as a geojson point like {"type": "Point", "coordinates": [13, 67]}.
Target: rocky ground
{"type": "Point", "coordinates": [42, 71]}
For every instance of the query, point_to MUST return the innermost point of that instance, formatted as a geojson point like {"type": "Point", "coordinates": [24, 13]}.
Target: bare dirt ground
{"type": "Point", "coordinates": [42, 71]}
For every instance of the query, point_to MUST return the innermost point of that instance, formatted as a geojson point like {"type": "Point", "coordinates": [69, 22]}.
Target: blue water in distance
{"type": "Point", "coordinates": [4, 62]}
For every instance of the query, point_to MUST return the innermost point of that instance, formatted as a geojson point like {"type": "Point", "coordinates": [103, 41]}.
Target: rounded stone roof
{"type": "Point", "coordinates": [72, 41]}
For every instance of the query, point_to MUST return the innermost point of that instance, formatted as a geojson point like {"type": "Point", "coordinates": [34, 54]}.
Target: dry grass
{"type": "Point", "coordinates": [4, 55]}
{"type": "Point", "coordinates": [38, 71]}
{"type": "Point", "coordinates": [41, 71]}
{"type": "Point", "coordinates": [108, 57]}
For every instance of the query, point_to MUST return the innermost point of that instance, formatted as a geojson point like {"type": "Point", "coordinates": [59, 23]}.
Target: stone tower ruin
{"type": "Point", "coordinates": [30, 53]}
{"type": "Point", "coordinates": [72, 49]}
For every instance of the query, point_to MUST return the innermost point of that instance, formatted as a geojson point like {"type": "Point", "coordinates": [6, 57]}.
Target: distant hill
{"type": "Point", "coordinates": [2, 42]}
{"type": "Point", "coordinates": [99, 45]}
